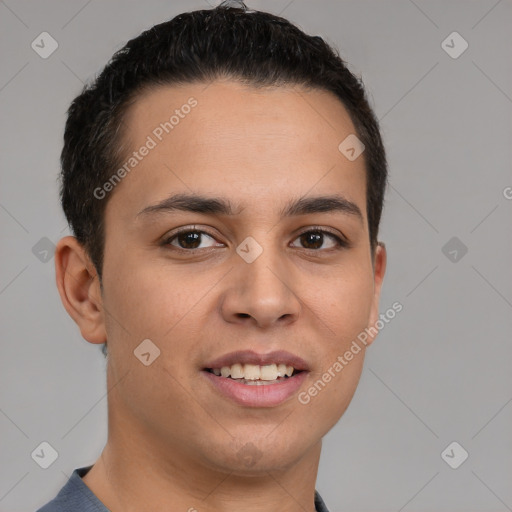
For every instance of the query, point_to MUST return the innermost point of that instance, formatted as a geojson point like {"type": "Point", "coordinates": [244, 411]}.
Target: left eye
{"type": "Point", "coordinates": [316, 237]}
{"type": "Point", "coordinates": [191, 239]}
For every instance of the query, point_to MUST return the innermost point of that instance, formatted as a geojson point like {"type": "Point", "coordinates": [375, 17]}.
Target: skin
{"type": "Point", "coordinates": [173, 440]}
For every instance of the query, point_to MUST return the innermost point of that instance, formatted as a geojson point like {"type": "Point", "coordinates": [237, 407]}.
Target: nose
{"type": "Point", "coordinates": [262, 292]}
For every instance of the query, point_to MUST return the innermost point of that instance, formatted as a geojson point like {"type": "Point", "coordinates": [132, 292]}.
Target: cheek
{"type": "Point", "coordinates": [343, 387]}
{"type": "Point", "coordinates": [345, 303]}
{"type": "Point", "coordinates": [331, 389]}
{"type": "Point", "coordinates": [345, 309]}
{"type": "Point", "coordinates": [150, 300]}
{"type": "Point", "coordinates": [143, 305]}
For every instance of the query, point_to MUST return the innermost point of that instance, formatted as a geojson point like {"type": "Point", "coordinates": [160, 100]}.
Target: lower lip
{"type": "Point", "coordinates": [268, 395]}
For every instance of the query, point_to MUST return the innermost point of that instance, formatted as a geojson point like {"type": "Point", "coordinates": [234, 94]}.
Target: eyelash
{"type": "Point", "coordinates": [341, 243]}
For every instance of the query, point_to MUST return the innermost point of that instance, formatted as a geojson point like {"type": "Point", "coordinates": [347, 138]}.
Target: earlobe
{"type": "Point", "coordinates": [79, 289]}
{"type": "Point", "coordinates": [379, 267]}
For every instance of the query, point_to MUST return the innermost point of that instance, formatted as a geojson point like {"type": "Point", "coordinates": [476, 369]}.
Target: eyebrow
{"type": "Point", "coordinates": [219, 206]}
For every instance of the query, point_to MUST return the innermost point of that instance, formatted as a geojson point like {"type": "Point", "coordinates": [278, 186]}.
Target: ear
{"type": "Point", "coordinates": [379, 269]}
{"type": "Point", "coordinates": [79, 289]}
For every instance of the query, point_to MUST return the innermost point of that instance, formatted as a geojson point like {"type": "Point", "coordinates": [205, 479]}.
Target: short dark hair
{"type": "Point", "coordinates": [253, 47]}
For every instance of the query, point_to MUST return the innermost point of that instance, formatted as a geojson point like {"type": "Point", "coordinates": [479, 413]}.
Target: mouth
{"type": "Point", "coordinates": [256, 375]}
{"type": "Point", "coordinates": [257, 380]}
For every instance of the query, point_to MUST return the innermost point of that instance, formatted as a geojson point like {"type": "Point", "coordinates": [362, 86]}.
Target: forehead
{"type": "Point", "coordinates": [238, 140]}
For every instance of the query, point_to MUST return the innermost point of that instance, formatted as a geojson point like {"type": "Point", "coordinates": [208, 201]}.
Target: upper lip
{"type": "Point", "coordinates": [251, 357]}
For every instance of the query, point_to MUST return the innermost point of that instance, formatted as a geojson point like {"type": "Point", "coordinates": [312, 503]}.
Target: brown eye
{"type": "Point", "coordinates": [188, 239]}
{"type": "Point", "coordinates": [314, 239]}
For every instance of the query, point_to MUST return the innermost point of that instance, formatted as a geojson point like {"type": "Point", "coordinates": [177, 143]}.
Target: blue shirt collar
{"type": "Point", "coordinates": [77, 496]}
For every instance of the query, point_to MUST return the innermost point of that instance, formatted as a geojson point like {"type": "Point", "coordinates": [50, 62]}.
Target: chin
{"type": "Point", "coordinates": [258, 455]}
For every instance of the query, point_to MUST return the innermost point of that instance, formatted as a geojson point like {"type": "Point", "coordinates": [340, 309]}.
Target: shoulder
{"type": "Point", "coordinates": [53, 506]}
{"type": "Point", "coordinates": [75, 496]}
{"type": "Point", "coordinates": [320, 506]}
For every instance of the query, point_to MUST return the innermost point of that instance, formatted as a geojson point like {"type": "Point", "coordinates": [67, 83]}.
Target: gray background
{"type": "Point", "coordinates": [439, 372]}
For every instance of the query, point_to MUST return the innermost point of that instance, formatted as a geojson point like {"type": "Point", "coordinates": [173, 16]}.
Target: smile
{"type": "Point", "coordinates": [256, 386]}
{"type": "Point", "coordinates": [255, 374]}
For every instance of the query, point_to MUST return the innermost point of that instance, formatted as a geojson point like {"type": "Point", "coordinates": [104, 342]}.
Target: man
{"type": "Point", "coordinates": [224, 178]}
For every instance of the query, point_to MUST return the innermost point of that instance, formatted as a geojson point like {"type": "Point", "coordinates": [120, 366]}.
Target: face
{"type": "Point", "coordinates": [212, 288]}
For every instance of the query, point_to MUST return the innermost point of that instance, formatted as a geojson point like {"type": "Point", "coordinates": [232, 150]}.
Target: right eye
{"type": "Point", "coordinates": [187, 239]}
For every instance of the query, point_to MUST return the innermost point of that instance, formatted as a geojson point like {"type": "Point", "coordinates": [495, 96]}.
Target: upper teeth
{"type": "Point", "coordinates": [254, 372]}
